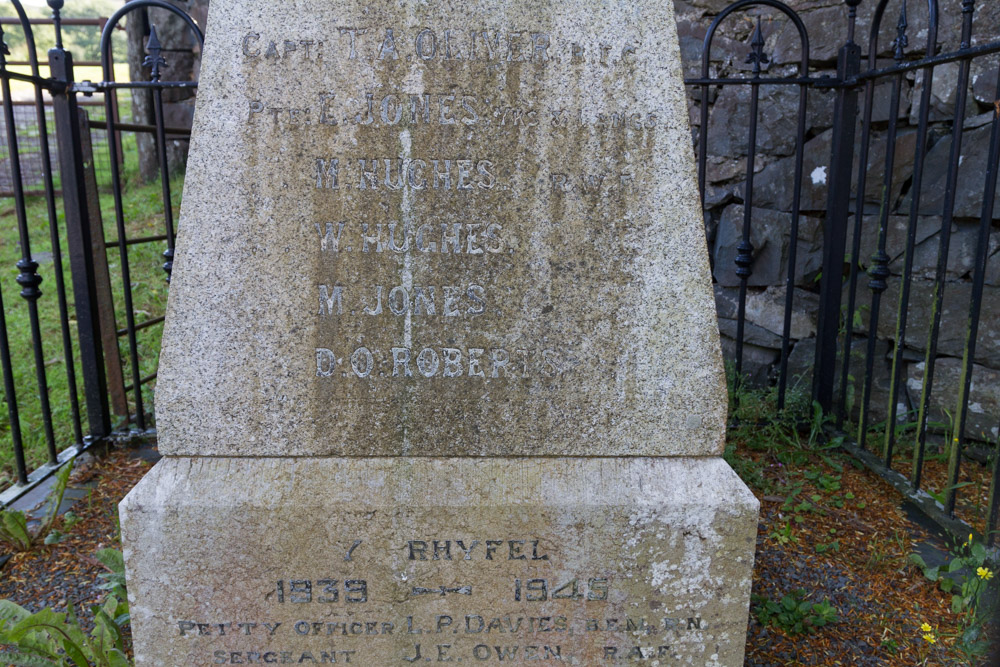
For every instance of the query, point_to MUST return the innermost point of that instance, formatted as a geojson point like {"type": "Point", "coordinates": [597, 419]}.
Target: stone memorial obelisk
{"type": "Point", "coordinates": [441, 377]}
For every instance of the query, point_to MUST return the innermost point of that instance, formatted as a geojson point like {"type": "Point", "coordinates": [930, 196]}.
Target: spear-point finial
{"type": "Point", "coordinates": [4, 49]}
{"type": "Point", "coordinates": [56, 6]}
{"type": "Point", "coordinates": [757, 55]}
{"type": "Point", "coordinates": [153, 60]}
{"type": "Point", "coordinates": [902, 41]}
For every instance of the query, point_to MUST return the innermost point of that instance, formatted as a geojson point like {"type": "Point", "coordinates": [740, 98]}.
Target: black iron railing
{"type": "Point", "coordinates": [71, 193]}
{"type": "Point", "coordinates": [865, 198]}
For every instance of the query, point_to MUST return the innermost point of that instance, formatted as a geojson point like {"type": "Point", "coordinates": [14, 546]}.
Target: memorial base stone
{"type": "Point", "coordinates": [396, 561]}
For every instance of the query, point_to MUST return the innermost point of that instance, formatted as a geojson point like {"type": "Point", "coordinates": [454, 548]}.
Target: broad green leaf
{"type": "Point", "coordinates": [15, 526]}
{"type": "Point", "coordinates": [112, 559]}
{"type": "Point", "coordinates": [74, 653]}
{"type": "Point", "coordinates": [107, 624]}
{"type": "Point", "coordinates": [12, 612]}
{"type": "Point", "coordinates": [55, 498]}
{"type": "Point", "coordinates": [23, 660]}
{"type": "Point", "coordinates": [117, 658]}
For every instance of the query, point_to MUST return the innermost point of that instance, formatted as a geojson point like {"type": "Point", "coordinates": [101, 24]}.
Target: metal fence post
{"type": "Point", "coordinates": [78, 236]}
{"type": "Point", "coordinates": [835, 229]}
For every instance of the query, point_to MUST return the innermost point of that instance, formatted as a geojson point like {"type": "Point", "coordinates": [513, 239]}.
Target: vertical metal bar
{"type": "Point", "coordinates": [116, 188]}
{"type": "Point", "coordinates": [994, 511]}
{"type": "Point", "coordinates": [937, 299]}
{"type": "Point", "coordinates": [154, 61]}
{"type": "Point", "coordinates": [879, 271]}
{"type": "Point", "coordinates": [114, 104]}
{"type": "Point", "coordinates": [10, 393]}
{"type": "Point", "coordinates": [57, 262]}
{"type": "Point", "coordinates": [793, 241]}
{"type": "Point", "coordinates": [852, 280]}
{"type": "Point", "coordinates": [793, 236]}
{"type": "Point", "coordinates": [920, 152]}
{"type": "Point", "coordinates": [911, 240]}
{"type": "Point", "coordinates": [28, 279]}
{"type": "Point", "coordinates": [78, 234]}
{"type": "Point", "coordinates": [975, 306]}
{"type": "Point", "coordinates": [744, 256]}
{"type": "Point", "coordinates": [835, 232]}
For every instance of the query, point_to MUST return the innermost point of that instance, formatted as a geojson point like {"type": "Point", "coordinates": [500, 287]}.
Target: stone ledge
{"type": "Point", "coordinates": [660, 550]}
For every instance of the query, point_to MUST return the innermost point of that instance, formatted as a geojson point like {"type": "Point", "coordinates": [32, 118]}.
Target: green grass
{"type": "Point", "coordinates": [143, 209]}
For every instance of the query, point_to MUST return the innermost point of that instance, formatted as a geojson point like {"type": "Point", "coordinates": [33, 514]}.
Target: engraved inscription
{"type": "Point", "coordinates": [438, 44]}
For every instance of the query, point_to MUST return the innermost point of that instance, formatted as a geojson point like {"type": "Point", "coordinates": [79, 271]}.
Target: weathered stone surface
{"type": "Point", "coordinates": [777, 120]}
{"type": "Point", "coordinates": [984, 396]}
{"type": "Point", "coordinates": [565, 301]}
{"type": "Point", "coordinates": [578, 561]}
{"type": "Point", "coordinates": [895, 237]}
{"type": "Point", "coordinates": [766, 309]}
{"type": "Point", "coordinates": [983, 74]}
{"type": "Point", "coordinates": [770, 234]}
{"type": "Point", "coordinates": [758, 362]}
{"type": "Point", "coordinates": [800, 374]}
{"type": "Point", "coordinates": [954, 318]}
{"type": "Point", "coordinates": [971, 181]}
{"type": "Point", "coordinates": [962, 249]}
{"type": "Point", "coordinates": [827, 29]}
{"type": "Point", "coordinates": [993, 265]}
{"type": "Point", "coordinates": [774, 187]}
{"type": "Point", "coordinates": [882, 99]}
{"type": "Point", "coordinates": [944, 91]}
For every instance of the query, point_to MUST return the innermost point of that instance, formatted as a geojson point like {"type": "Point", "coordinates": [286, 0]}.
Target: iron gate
{"type": "Point", "coordinates": [67, 209]}
{"type": "Point", "coordinates": [869, 199]}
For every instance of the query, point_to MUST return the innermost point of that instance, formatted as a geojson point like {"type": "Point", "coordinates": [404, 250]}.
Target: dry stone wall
{"type": "Point", "coordinates": [826, 22]}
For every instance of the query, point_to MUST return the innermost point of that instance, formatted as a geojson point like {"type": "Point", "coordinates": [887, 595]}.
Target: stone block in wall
{"type": "Point", "coordinates": [983, 77]}
{"type": "Point", "coordinates": [944, 93]}
{"type": "Point", "coordinates": [882, 98]}
{"type": "Point", "coordinates": [777, 119]}
{"type": "Point", "coordinates": [993, 269]}
{"type": "Point", "coordinates": [800, 373]}
{"type": "Point", "coordinates": [895, 237]}
{"type": "Point", "coordinates": [752, 334]}
{"type": "Point", "coordinates": [766, 309]}
{"type": "Point", "coordinates": [984, 396]}
{"type": "Point", "coordinates": [954, 318]}
{"type": "Point", "coordinates": [775, 184]}
{"type": "Point", "coordinates": [962, 249]}
{"type": "Point", "coordinates": [971, 181]}
{"type": "Point", "coordinates": [691, 31]}
{"type": "Point", "coordinates": [827, 29]}
{"type": "Point", "coordinates": [719, 169]}
{"type": "Point", "coordinates": [902, 168]}
{"type": "Point", "coordinates": [770, 234]}
{"type": "Point", "coordinates": [757, 361]}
